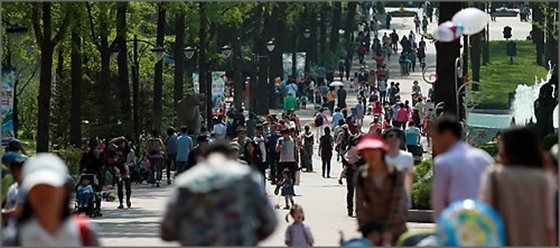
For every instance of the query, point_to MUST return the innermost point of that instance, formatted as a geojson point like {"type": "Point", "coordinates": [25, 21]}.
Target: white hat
{"type": "Point", "coordinates": [44, 168]}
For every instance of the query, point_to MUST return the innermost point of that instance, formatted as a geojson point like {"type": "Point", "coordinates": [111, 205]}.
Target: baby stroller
{"type": "Point", "coordinates": [93, 207]}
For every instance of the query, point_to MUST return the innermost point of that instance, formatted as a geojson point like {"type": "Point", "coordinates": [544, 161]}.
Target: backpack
{"type": "Point", "coordinates": [154, 146]}
{"type": "Point", "coordinates": [318, 120]}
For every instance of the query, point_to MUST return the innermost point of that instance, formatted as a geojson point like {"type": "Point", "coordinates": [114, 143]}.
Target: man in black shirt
{"type": "Point", "coordinates": [197, 152]}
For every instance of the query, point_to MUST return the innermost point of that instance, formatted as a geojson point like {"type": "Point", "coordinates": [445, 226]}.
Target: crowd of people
{"type": "Point", "coordinates": [220, 177]}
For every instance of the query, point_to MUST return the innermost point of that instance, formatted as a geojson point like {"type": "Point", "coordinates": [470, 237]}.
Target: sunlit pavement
{"type": "Point", "coordinates": [323, 200]}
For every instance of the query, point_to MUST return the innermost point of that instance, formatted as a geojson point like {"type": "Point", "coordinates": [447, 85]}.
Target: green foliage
{"type": "Point", "coordinates": [94, 20]}
{"type": "Point", "coordinates": [423, 174]}
{"type": "Point", "coordinates": [500, 77]}
{"type": "Point", "coordinates": [72, 157]}
{"type": "Point", "coordinates": [491, 148]}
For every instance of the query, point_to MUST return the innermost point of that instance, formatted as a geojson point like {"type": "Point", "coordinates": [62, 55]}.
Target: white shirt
{"type": "Point", "coordinates": [262, 146]}
{"type": "Point", "coordinates": [219, 130]}
{"type": "Point", "coordinates": [312, 86]}
{"type": "Point", "coordinates": [33, 234]}
{"type": "Point", "coordinates": [404, 161]}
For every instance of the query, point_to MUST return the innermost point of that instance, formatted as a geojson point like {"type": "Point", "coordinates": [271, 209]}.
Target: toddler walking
{"type": "Point", "coordinates": [297, 233]}
{"type": "Point", "coordinates": [287, 188]}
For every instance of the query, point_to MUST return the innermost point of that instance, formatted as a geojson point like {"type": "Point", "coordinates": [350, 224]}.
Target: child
{"type": "Point", "coordinates": [287, 185]}
{"type": "Point", "coordinates": [298, 234]}
{"type": "Point", "coordinates": [303, 100]}
{"type": "Point", "coordinates": [85, 192]}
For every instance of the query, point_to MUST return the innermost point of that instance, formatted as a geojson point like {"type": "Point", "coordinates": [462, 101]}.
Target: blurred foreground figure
{"type": "Point", "coordinates": [218, 202]}
{"type": "Point", "coordinates": [520, 190]}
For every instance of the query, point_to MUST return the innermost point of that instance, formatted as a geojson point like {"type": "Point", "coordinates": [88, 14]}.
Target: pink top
{"type": "Point", "coordinates": [402, 115]}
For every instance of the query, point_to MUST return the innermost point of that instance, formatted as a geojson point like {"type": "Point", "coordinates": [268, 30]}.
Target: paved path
{"type": "Point", "coordinates": [322, 199]}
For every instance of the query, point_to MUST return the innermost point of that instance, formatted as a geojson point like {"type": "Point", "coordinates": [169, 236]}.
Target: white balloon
{"type": "Point", "coordinates": [447, 32]}
{"type": "Point", "coordinates": [473, 20]}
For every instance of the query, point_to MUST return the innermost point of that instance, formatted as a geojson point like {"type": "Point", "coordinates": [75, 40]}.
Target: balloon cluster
{"type": "Point", "coordinates": [468, 21]}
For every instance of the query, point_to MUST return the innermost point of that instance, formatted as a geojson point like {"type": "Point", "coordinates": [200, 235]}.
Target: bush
{"type": "Point", "coordinates": [72, 157]}
{"type": "Point", "coordinates": [490, 148]}
{"type": "Point", "coordinates": [420, 194]}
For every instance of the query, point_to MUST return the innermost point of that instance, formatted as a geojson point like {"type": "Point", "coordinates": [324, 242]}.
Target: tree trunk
{"type": "Point", "coordinates": [254, 82]}
{"type": "Point", "coordinates": [350, 20]}
{"type": "Point", "coordinates": [158, 77]}
{"type": "Point", "coordinates": [446, 54]}
{"type": "Point", "coordinates": [551, 32]}
{"type": "Point", "coordinates": [278, 24]}
{"type": "Point", "coordinates": [45, 91]}
{"type": "Point", "coordinates": [476, 53]}
{"type": "Point", "coordinates": [106, 119]}
{"type": "Point", "coordinates": [538, 33]}
{"type": "Point", "coordinates": [237, 74]}
{"type": "Point", "coordinates": [335, 26]}
{"type": "Point", "coordinates": [204, 84]}
{"type": "Point", "coordinates": [123, 86]}
{"type": "Point", "coordinates": [179, 58]}
{"type": "Point", "coordinates": [323, 36]}
{"type": "Point", "coordinates": [76, 105]}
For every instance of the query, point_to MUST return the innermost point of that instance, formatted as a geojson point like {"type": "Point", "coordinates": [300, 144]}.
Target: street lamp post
{"type": "Point", "coordinates": [15, 33]}
{"type": "Point", "coordinates": [262, 100]}
{"type": "Point", "coordinates": [159, 52]}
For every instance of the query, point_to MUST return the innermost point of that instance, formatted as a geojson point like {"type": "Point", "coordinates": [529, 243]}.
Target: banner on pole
{"type": "Point", "coordinates": [300, 66]}
{"type": "Point", "coordinates": [287, 63]}
{"type": "Point", "coordinates": [219, 81]}
{"type": "Point", "coordinates": [8, 80]}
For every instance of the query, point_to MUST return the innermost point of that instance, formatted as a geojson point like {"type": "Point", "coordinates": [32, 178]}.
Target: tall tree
{"type": "Point", "coordinates": [323, 33]}
{"type": "Point", "coordinates": [203, 75]}
{"type": "Point", "coordinates": [123, 87]}
{"type": "Point", "coordinates": [158, 77]}
{"type": "Point", "coordinates": [350, 16]}
{"type": "Point", "coordinates": [99, 15]}
{"type": "Point", "coordinates": [335, 26]}
{"type": "Point", "coordinates": [76, 106]}
{"type": "Point", "coordinates": [42, 26]}
{"type": "Point", "coordinates": [179, 56]}
{"type": "Point", "coordinates": [538, 33]}
{"type": "Point", "coordinates": [446, 54]}
{"type": "Point", "coordinates": [253, 85]}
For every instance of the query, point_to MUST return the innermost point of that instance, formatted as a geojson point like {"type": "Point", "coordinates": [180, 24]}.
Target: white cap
{"type": "Point", "coordinates": [44, 168]}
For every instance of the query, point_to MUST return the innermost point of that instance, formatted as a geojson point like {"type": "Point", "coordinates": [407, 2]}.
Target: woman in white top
{"type": "Point", "coordinates": [47, 219]}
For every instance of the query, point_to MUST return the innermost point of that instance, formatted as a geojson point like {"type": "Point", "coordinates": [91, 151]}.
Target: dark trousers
{"type": "Point", "coordinates": [170, 159]}
{"type": "Point", "coordinates": [326, 168]}
{"type": "Point", "coordinates": [126, 182]}
{"type": "Point", "coordinates": [273, 165]}
{"type": "Point", "coordinates": [181, 166]}
{"type": "Point", "coordinates": [350, 193]}
{"type": "Point", "coordinates": [291, 166]}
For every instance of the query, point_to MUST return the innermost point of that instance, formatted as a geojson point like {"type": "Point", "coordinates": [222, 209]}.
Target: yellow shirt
{"type": "Point", "coordinates": [331, 96]}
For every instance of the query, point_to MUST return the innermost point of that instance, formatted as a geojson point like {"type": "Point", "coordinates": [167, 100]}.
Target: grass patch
{"type": "Point", "coordinates": [501, 77]}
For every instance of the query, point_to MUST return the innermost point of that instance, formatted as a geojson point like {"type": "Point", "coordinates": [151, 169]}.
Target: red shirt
{"type": "Point", "coordinates": [377, 109]}
{"type": "Point", "coordinates": [379, 60]}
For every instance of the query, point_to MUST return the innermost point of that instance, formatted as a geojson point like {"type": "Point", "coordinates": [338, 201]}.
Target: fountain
{"type": "Point", "coordinates": [484, 126]}
{"type": "Point", "coordinates": [523, 108]}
